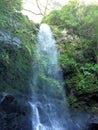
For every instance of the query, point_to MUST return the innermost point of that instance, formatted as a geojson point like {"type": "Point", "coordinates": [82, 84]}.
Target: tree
{"type": "Point", "coordinates": [11, 5]}
{"type": "Point", "coordinates": [79, 56]}
{"type": "Point", "coordinates": [42, 7]}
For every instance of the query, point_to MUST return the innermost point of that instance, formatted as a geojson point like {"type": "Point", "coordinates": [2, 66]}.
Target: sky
{"type": "Point", "coordinates": [53, 4]}
{"type": "Point", "coordinates": [32, 6]}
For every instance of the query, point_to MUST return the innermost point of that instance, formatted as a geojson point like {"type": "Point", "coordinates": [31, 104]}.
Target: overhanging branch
{"type": "Point", "coordinates": [46, 7]}
{"type": "Point", "coordinates": [32, 12]}
{"type": "Point", "coordinates": [39, 7]}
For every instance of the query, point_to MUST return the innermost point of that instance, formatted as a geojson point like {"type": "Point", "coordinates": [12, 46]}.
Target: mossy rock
{"type": "Point", "coordinates": [15, 67]}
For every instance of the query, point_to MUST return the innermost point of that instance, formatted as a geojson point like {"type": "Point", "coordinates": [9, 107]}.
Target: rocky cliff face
{"type": "Point", "coordinates": [17, 35]}
{"type": "Point", "coordinates": [15, 109]}
{"type": "Point", "coordinates": [6, 38]}
{"type": "Point", "coordinates": [15, 64]}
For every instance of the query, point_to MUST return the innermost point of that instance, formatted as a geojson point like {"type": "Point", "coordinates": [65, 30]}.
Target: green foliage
{"type": "Point", "coordinates": [78, 56]}
{"type": "Point", "coordinates": [7, 10]}
{"type": "Point", "coordinates": [72, 99]}
{"type": "Point", "coordinates": [13, 21]}
{"type": "Point", "coordinates": [15, 62]}
{"type": "Point", "coordinates": [85, 79]}
{"type": "Point", "coordinates": [11, 5]}
{"type": "Point", "coordinates": [15, 68]}
{"type": "Point", "coordinates": [48, 81]}
{"type": "Point", "coordinates": [53, 18]}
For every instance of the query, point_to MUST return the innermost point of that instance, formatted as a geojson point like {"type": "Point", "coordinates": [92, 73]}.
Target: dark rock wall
{"type": "Point", "coordinates": [14, 113]}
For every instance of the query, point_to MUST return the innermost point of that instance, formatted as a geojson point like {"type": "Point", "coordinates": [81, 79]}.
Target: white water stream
{"type": "Point", "coordinates": [49, 107]}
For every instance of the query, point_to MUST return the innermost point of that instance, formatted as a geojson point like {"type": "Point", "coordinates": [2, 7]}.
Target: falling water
{"type": "Point", "coordinates": [49, 107]}
{"type": "Point", "coordinates": [49, 104]}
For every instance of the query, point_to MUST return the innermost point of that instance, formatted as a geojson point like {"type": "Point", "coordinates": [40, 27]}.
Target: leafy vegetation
{"type": "Point", "coordinates": [15, 61]}
{"type": "Point", "coordinates": [15, 67]}
{"type": "Point", "coordinates": [76, 27]}
{"type": "Point", "coordinates": [75, 30]}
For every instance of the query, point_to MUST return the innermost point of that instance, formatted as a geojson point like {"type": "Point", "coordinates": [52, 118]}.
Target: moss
{"type": "Point", "coordinates": [15, 67]}
{"type": "Point", "coordinates": [18, 25]}
{"type": "Point", "coordinates": [16, 62]}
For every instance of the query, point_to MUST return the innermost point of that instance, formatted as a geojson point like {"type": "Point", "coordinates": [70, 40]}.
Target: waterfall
{"type": "Point", "coordinates": [49, 106]}
{"type": "Point", "coordinates": [49, 110]}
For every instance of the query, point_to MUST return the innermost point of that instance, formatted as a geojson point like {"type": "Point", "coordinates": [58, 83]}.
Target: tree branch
{"type": "Point", "coordinates": [32, 12]}
{"type": "Point", "coordinates": [46, 8]}
{"type": "Point", "coordinates": [44, 5]}
{"type": "Point", "coordinates": [42, 9]}
{"type": "Point", "coordinates": [39, 7]}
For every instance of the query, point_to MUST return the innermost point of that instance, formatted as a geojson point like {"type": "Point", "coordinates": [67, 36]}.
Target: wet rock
{"type": "Point", "coordinates": [16, 41]}
{"type": "Point", "coordinates": [93, 123]}
{"type": "Point", "coordinates": [4, 37]}
{"type": "Point", "coordinates": [8, 104]}
{"type": "Point", "coordinates": [93, 126]}
{"type": "Point", "coordinates": [7, 38]}
{"type": "Point", "coordinates": [44, 119]}
{"type": "Point", "coordinates": [15, 113]}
